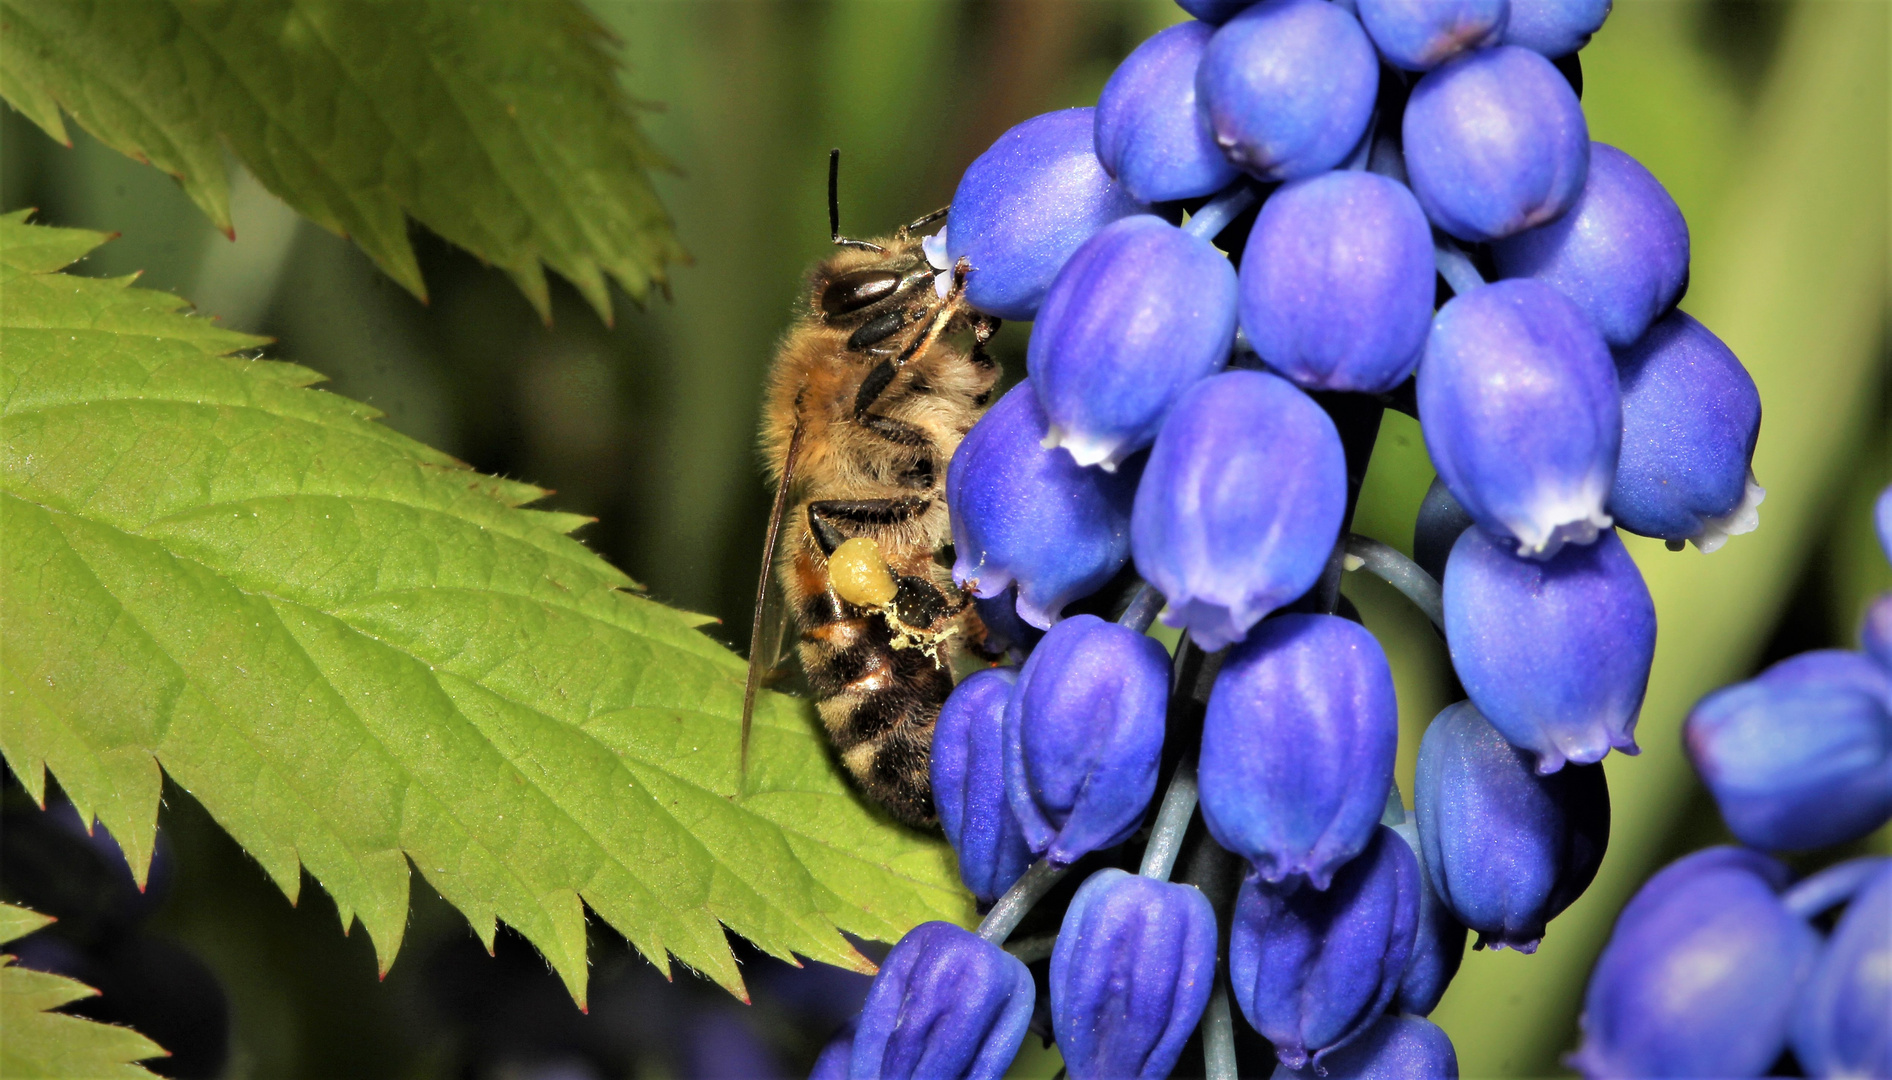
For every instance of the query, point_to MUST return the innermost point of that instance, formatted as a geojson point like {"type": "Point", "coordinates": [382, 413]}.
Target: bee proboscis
{"type": "Point", "coordinates": [870, 393]}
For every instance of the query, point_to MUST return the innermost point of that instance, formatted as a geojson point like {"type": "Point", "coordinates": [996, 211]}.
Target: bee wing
{"type": "Point", "coordinates": [765, 632]}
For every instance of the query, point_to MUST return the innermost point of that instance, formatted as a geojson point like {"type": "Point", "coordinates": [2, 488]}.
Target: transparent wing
{"type": "Point", "coordinates": [766, 631]}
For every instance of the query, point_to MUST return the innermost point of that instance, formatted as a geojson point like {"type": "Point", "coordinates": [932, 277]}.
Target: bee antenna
{"type": "Point", "coordinates": [834, 194]}
{"type": "Point", "coordinates": [834, 206]}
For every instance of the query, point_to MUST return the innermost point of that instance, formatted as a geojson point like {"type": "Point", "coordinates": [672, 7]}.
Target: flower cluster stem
{"type": "Point", "coordinates": [1011, 908]}
{"type": "Point", "coordinates": [1387, 564]}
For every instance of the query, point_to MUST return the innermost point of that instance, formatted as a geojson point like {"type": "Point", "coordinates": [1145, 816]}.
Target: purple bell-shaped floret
{"type": "Point", "coordinates": [1394, 1048]}
{"type": "Point", "coordinates": [1025, 514]}
{"type": "Point", "coordinates": [1130, 975]}
{"type": "Point", "coordinates": [835, 1057]}
{"type": "Point", "coordinates": [1519, 404]}
{"type": "Point", "coordinates": [1240, 503]}
{"type": "Point", "coordinates": [1084, 735]}
{"type": "Point", "coordinates": [1691, 416]}
{"type": "Point", "coordinates": [1555, 27]}
{"type": "Point", "coordinates": [1313, 969]}
{"type": "Point", "coordinates": [1555, 653]}
{"type": "Point", "coordinates": [946, 1003]}
{"type": "Point", "coordinates": [1025, 205]}
{"type": "Point", "coordinates": [968, 770]}
{"type": "Point", "coordinates": [1142, 312]}
{"type": "Point", "coordinates": [1506, 848]}
{"type": "Point", "coordinates": [1337, 282]}
{"type": "Point", "coordinates": [1150, 134]}
{"type": "Point", "coordinates": [1875, 630]}
{"type": "Point", "coordinates": [1439, 947]}
{"type": "Point", "coordinates": [1298, 745]}
{"type": "Point", "coordinates": [1495, 143]}
{"type": "Point", "coordinates": [1700, 974]}
{"type": "Point", "coordinates": [1800, 757]}
{"type": "Point", "coordinates": [1419, 35]}
{"type": "Point", "coordinates": [1842, 1025]}
{"type": "Point", "coordinates": [1621, 253]}
{"type": "Point", "coordinates": [1288, 87]}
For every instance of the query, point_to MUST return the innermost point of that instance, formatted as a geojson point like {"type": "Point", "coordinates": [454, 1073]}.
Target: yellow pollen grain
{"type": "Point", "coordinates": [860, 574]}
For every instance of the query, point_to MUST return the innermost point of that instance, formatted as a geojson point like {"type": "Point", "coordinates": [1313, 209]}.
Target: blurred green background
{"type": "Point", "coordinates": [1768, 121]}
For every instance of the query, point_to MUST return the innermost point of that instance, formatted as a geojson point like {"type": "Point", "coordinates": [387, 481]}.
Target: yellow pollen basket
{"type": "Point", "coordinates": [860, 574]}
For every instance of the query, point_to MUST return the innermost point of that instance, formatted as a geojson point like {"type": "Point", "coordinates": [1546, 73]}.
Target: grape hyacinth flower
{"type": "Point", "coordinates": [1555, 654]}
{"type": "Point", "coordinates": [1691, 417]}
{"type": "Point", "coordinates": [1288, 87]}
{"type": "Point", "coordinates": [968, 771]}
{"type": "Point", "coordinates": [1519, 405]}
{"type": "Point", "coordinates": [1139, 314]}
{"type": "Point", "coordinates": [1506, 848]}
{"type": "Point", "coordinates": [1150, 134]}
{"type": "Point", "coordinates": [1843, 1023]}
{"type": "Point", "coordinates": [1083, 735]}
{"type": "Point", "coordinates": [1130, 975]}
{"type": "Point", "coordinates": [1298, 745]}
{"type": "Point", "coordinates": [833, 1061]}
{"type": "Point", "coordinates": [1800, 757]}
{"type": "Point", "coordinates": [1555, 27]}
{"type": "Point", "coordinates": [1439, 946]}
{"type": "Point", "coordinates": [1875, 632]}
{"type": "Point", "coordinates": [1025, 514]}
{"type": "Point", "coordinates": [1419, 35]}
{"type": "Point", "coordinates": [946, 1003]}
{"type": "Point", "coordinates": [1240, 504]}
{"type": "Point", "coordinates": [1700, 974]}
{"type": "Point", "coordinates": [1337, 282]}
{"type": "Point", "coordinates": [1025, 205]}
{"type": "Point", "coordinates": [1312, 969]}
{"type": "Point", "coordinates": [1621, 252]}
{"type": "Point", "coordinates": [1394, 1048]}
{"type": "Point", "coordinates": [1495, 143]}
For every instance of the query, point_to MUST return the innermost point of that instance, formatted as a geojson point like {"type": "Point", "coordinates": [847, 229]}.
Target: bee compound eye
{"type": "Point", "coordinates": [852, 292]}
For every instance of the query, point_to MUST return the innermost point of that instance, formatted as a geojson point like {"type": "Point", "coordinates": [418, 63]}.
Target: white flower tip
{"type": "Point", "coordinates": [935, 248]}
{"type": "Point", "coordinates": [1744, 518]}
{"type": "Point", "coordinates": [1085, 451]}
{"type": "Point", "coordinates": [1351, 562]}
{"type": "Point", "coordinates": [1579, 530]}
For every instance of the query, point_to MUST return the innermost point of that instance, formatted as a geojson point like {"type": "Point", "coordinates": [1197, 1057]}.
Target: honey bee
{"type": "Point", "coordinates": [881, 375]}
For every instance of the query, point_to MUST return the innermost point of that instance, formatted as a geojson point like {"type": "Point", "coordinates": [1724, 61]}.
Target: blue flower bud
{"type": "Point", "coordinates": [1521, 413]}
{"type": "Point", "coordinates": [946, 1003]}
{"type": "Point", "coordinates": [1130, 975]}
{"type": "Point", "coordinates": [1141, 313]}
{"type": "Point", "coordinates": [1288, 87]}
{"type": "Point", "coordinates": [1311, 969]}
{"type": "Point", "coordinates": [1875, 633]}
{"type": "Point", "coordinates": [1621, 253]}
{"type": "Point", "coordinates": [1842, 1025]}
{"type": "Point", "coordinates": [1083, 735]}
{"type": "Point", "coordinates": [1441, 519]}
{"type": "Point", "coordinates": [1691, 416]}
{"type": "Point", "coordinates": [1437, 949]}
{"type": "Point", "coordinates": [1025, 205]}
{"type": "Point", "coordinates": [1555, 27]}
{"type": "Point", "coordinates": [1241, 503]}
{"type": "Point", "coordinates": [1214, 12]}
{"type": "Point", "coordinates": [832, 1063]}
{"type": "Point", "coordinates": [1882, 520]}
{"type": "Point", "coordinates": [1555, 654]}
{"type": "Point", "coordinates": [1419, 35]}
{"type": "Point", "coordinates": [1297, 746]}
{"type": "Point", "coordinates": [969, 784]}
{"type": "Point", "coordinates": [1506, 848]}
{"type": "Point", "coordinates": [1800, 757]}
{"type": "Point", "coordinates": [1699, 976]}
{"type": "Point", "coordinates": [1337, 282]}
{"type": "Point", "coordinates": [1150, 135]}
{"type": "Point", "coordinates": [1394, 1048]}
{"type": "Point", "coordinates": [1495, 143]}
{"type": "Point", "coordinates": [1005, 632]}
{"type": "Point", "coordinates": [1025, 514]}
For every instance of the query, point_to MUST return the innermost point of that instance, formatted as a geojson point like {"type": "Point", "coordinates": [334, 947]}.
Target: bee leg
{"type": "Point", "coordinates": [835, 521]}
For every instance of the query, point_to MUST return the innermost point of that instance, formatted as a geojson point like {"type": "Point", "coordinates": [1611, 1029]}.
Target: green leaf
{"type": "Point", "coordinates": [355, 652]}
{"type": "Point", "coordinates": [41, 1043]}
{"type": "Point", "coordinates": [499, 126]}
